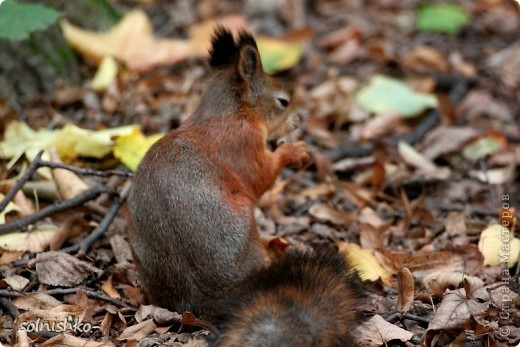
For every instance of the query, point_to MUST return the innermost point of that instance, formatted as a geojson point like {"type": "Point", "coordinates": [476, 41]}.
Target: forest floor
{"type": "Point", "coordinates": [420, 185]}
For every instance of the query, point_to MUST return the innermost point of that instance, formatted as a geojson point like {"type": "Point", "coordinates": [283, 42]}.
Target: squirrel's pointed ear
{"type": "Point", "coordinates": [249, 63]}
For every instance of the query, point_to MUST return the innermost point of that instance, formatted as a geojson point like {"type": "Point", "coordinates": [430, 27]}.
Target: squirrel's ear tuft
{"type": "Point", "coordinates": [223, 50]}
{"type": "Point", "coordinates": [249, 63]}
{"type": "Point", "coordinates": [246, 39]}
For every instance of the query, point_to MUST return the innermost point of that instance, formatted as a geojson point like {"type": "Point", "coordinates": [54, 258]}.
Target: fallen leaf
{"type": "Point", "coordinates": [437, 282]}
{"type": "Point", "coordinates": [108, 288]}
{"type": "Point", "coordinates": [138, 331]}
{"type": "Point", "coordinates": [11, 207]}
{"type": "Point", "coordinates": [425, 59]}
{"type": "Point", "coordinates": [36, 240]}
{"type": "Point", "coordinates": [279, 55]}
{"type": "Point", "coordinates": [406, 290]}
{"type": "Point", "coordinates": [131, 148]}
{"type": "Point", "coordinates": [326, 213]}
{"type": "Point", "coordinates": [36, 301]}
{"type": "Point", "coordinates": [376, 331]}
{"type": "Point", "coordinates": [446, 139]}
{"type": "Point", "coordinates": [160, 315]}
{"type": "Point", "coordinates": [365, 263]}
{"type": "Point", "coordinates": [413, 158]}
{"type": "Point", "coordinates": [456, 312]}
{"type": "Point", "coordinates": [105, 75]}
{"type": "Point", "coordinates": [498, 246]}
{"type": "Point", "coordinates": [68, 184]}
{"type": "Point", "coordinates": [444, 18]}
{"type": "Point", "coordinates": [16, 282]}
{"type": "Point", "coordinates": [70, 141]}
{"type": "Point", "coordinates": [386, 94]}
{"type": "Point", "coordinates": [131, 41]}
{"type": "Point", "coordinates": [62, 269]}
{"type": "Point", "coordinates": [381, 125]}
{"type": "Point", "coordinates": [26, 206]}
{"type": "Point", "coordinates": [481, 148]}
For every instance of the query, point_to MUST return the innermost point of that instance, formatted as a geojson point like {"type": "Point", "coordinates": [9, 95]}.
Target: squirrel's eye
{"type": "Point", "coordinates": [283, 102]}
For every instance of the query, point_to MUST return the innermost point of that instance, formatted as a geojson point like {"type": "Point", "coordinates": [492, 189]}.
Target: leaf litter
{"type": "Point", "coordinates": [415, 126]}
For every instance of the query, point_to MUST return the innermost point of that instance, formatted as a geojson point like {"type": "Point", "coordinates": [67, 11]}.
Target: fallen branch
{"type": "Point", "coordinates": [78, 200]}
{"type": "Point", "coordinates": [20, 183]}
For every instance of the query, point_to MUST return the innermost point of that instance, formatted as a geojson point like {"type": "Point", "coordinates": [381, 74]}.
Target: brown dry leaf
{"type": "Point", "coordinates": [34, 241]}
{"type": "Point", "coordinates": [413, 158]}
{"type": "Point", "coordinates": [377, 331]}
{"type": "Point", "coordinates": [319, 190]}
{"type": "Point", "coordinates": [56, 314]}
{"type": "Point", "coordinates": [370, 217]}
{"type": "Point", "coordinates": [447, 139]}
{"type": "Point", "coordinates": [108, 288]}
{"type": "Point", "coordinates": [131, 41]}
{"type": "Point", "coordinates": [22, 339]}
{"type": "Point", "coordinates": [380, 125]}
{"type": "Point", "coordinates": [480, 103]}
{"type": "Point", "coordinates": [361, 197]}
{"type": "Point", "coordinates": [418, 262]}
{"type": "Point", "coordinates": [425, 59]}
{"type": "Point", "coordinates": [36, 301]}
{"type": "Point", "coordinates": [138, 331]}
{"type": "Point", "coordinates": [25, 205]}
{"type": "Point", "coordinates": [121, 248]}
{"type": "Point", "coordinates": [347, 52]}
{"type": "Point", "coordinates": [456, 230]}
{"type": "Point", "coordinates": [8, 257]}
{"type": "Point", "coordinates": [326, 213]}
{"type": "Point", "coordinates": [62, 269]}
{"type": "Point", "coordinates": [459, 64]}
{"type": "Point", "coordinates": [67, 340]}
{"type": "Point", "coordinates": [455, 312]}
{"type": "Point", "coordinates": [160, 315]}
{"type": "Point", "coordinates": [406, 290]}
{"type": "Point", "coordinates": [70, 228]}
{"type": "Point", "coordinates": [69, 185]}
{"type": "Point", "coordinates": [16, 282]}
{"type": "Point", "coordinates": [437, 282]}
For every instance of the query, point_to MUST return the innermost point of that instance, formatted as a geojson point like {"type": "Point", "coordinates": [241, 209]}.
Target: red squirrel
{"type": "Point", "coordinates": [194, 236]}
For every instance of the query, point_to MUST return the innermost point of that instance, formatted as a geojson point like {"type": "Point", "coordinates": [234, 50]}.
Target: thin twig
{"type": "Point", "coordinates": [9, 307]}
{"type": "Point", "coordinates": [84, 171]}
{"type": "Point", "coordinates": [85, 245]}
{"type": "Point", "coordinates": [65, 291]}
{"type": "Point", "coordinates": [53, 209]}
{"type": "Point", "coordinates": [20, 183]}
{"type": "Point", "coordinates": [395, 316]}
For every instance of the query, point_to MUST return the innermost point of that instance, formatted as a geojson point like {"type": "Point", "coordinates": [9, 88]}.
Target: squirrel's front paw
{"type": "Point", "coordinates": [295, 154]}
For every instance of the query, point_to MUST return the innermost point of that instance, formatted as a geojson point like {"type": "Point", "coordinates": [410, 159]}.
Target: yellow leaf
{"type": "Point", "coordinates": [131, 41]}
{"type": "Point", "coordinates": [365, 263]}
{"type": "Point", "coordinates": [105, 75]}
{"type": "Point", "coordinates": [131, 148]}
{"type": "Point", "coordinates": [11, 207]}
{"type": "Point", "coordinates": [34, 241]}
{"type": "Point", "coordinates": [279, 55]}
{"type": "Point", "coordinates": [498, 246]}
{"type": "Point", "coordinates": [72, 141]}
